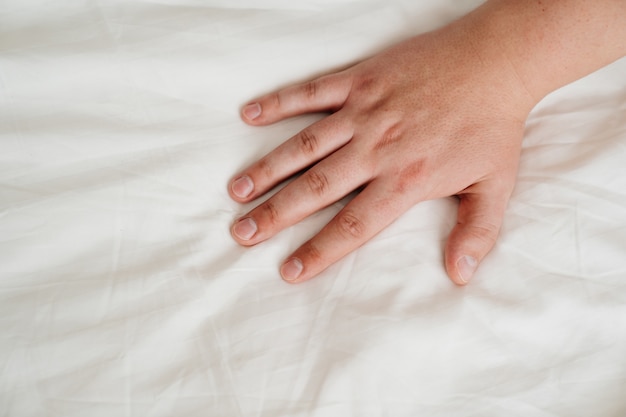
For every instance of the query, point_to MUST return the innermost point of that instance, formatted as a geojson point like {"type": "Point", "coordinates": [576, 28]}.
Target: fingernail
{"type": "Point", "coordinates": [252, 111]}
{"type": "Point", "coordinates": [242, 186]}
{"type": "Point", "coordinates": [467, 266]}
{"type": "Point", "coordinates": [244, 229]}
{"type": "Point", "coordinates": [291, 269]}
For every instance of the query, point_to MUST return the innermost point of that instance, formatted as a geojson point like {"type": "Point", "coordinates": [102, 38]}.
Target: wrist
{"type": "Point", "coordinates": [546, 45]}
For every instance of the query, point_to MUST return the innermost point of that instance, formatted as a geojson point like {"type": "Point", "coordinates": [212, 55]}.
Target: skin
{"type": "Point", "coordinates": [438, 115]}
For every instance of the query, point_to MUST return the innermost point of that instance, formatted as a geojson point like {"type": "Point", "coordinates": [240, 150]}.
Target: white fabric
{"type": "Point", "coordinates": [122, 293]}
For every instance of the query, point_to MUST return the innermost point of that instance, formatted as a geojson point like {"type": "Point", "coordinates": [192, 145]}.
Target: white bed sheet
{"type": "Point", "coordinates": [122, 293]}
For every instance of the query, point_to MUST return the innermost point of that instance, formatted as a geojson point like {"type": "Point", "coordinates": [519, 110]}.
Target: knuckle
{"type": "Point", "coordinates": [411, 177]}
{"type": "Point", "coordinates": [275, 99]}
{"type": "Point", "coordinates": [266, 168]}
{"type": "Point", "coordinates": [310, 89]}
{"type": "Point", "coordinates": [349, 225]}
{"type": "Point", "coordinates": [389, 137]}
{"type": "Point", "coordinates": [270, 213]}
{"type": "Point", "coordinates": [365, 84]}
{"type": "Point", "coordinates": [317, 182]}
{"type": "Point", "coordinates": [308, 142]}
{"type": "Point", "coordinates": [311, 253]}
{"type": "Point", "coordinates": [486, 232]}
{"type": "Point", "coordinates": [480, 234]}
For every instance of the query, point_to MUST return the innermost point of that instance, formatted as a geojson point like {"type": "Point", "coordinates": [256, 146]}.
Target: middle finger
{"type": "Point", "coordinates": [329, 180]}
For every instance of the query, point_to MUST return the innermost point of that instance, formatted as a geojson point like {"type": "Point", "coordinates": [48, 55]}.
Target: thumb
{"type": "Point", "coordinates": [481, 210]}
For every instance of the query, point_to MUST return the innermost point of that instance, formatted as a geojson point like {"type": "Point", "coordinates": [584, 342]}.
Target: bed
{"type": "Point", "coordinates": [123, 294]}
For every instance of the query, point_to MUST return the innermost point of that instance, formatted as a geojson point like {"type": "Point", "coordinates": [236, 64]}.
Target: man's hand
{"type": "Point", "coordinates": [441, 114]}
{"type": "Point", "coordinates": [423, 120]}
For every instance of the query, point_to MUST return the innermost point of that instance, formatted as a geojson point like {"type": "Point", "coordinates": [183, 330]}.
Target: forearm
{"type": "Point", "coordinates": [548, 43]}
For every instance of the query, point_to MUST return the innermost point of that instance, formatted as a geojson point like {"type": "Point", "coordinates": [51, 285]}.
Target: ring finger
{"type": "Point", "coordinates": [307, 147]}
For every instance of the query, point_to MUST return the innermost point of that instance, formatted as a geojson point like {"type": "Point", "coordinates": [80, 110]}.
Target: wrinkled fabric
{"type": "Point", "coordinates": [122, 293]}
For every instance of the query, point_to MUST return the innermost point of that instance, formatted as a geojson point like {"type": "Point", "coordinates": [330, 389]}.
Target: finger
{"type": "Point", "coordinates": [371, 211]}
{"type": "Point", "coordinates": [479, 219]}
{"type": "Point", "coordinates": [323, 184]}
{"type": "Point", "coordinates": [302, 150]}
{"type": "Point", "coordinates": [322, 94]}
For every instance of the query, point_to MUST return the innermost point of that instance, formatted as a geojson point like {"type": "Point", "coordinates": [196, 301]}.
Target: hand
{"type": "Point", "coordinates": [429, 118]}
